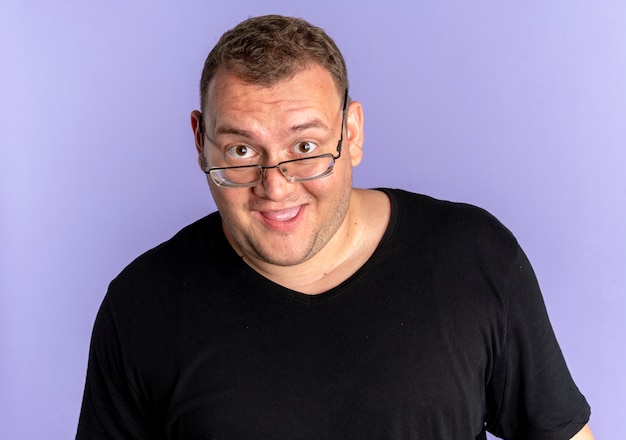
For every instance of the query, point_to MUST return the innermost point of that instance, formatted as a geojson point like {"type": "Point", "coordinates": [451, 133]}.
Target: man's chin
{"type": "Point", "coordinates": [290, 259]}
{"type": "Point", "coordinates": [283, 251]}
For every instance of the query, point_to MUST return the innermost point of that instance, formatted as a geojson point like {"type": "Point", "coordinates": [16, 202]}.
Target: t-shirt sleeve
{"type": "Point", "coordinates": [110, 408]}
{"type": "Point", "coordinates": [531, 393]}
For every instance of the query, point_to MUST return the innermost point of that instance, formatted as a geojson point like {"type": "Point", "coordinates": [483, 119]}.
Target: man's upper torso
{"type": "Point", "coordinates": [442, 330]}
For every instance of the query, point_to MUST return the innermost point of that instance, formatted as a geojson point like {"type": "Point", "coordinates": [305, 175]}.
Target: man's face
{"type": "Point", "coordinates": [277, 221]}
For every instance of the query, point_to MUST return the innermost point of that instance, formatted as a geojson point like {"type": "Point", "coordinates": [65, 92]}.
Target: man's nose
{"type": "Point", "coordinates": [274, 185]}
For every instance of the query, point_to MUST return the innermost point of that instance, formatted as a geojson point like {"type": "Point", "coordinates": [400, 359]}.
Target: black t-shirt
{"type": "Point", "coordinates": [440, 335]}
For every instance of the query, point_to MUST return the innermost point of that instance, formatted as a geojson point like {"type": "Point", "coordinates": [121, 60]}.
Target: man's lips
{"type": "Point", "coordinates": [282, 215]}
{"type": "Point", "coordinates": [282, 220]}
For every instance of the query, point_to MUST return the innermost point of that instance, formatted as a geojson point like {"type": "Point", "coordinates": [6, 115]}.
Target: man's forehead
{"type": "Point", "coordinates": [236, 107]}
{"type": "Point", "coordinates": [313, 84]}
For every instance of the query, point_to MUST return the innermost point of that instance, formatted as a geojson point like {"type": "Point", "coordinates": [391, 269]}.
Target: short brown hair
{"type": "Point", "coordinates": [265, 50]}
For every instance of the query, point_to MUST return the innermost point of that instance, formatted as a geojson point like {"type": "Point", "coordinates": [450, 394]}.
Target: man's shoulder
{"type": "Point", "coordinates": [442, 221]}
{"type": "Point", "coordinates": [177, 254]}
{"type": "Point", "coordinates": [429, 209]}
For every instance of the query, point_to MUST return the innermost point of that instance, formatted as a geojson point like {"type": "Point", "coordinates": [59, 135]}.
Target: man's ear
{"type": "Point", "coordinates": [196, 126]}
{"type": "Point", "coordinates": [354, 132]}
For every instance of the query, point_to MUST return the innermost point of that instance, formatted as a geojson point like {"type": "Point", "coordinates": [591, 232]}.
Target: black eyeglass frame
{"type": "Point", "coordinates": [263, 169]}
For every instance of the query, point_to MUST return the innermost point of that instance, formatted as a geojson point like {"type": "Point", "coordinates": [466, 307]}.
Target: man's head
{"type": "Point", "coordinates": [268, 49]}
{"type": "Point", "coordinates": [273, 95]}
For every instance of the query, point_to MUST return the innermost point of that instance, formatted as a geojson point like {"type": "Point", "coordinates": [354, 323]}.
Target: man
{"type": "Point", "coordinates": [306, 309]}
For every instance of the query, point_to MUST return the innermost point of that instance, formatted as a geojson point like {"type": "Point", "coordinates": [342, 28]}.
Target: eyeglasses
{"type": "Point", "coordinates": [295, 170]}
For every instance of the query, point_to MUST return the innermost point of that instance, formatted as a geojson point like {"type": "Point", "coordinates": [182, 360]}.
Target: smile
{"type": "Point", "coordinates": [283, 219]}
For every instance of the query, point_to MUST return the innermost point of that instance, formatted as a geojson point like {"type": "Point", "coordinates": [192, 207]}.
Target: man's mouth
{"type": "Point", "coordinates": [282, 220]}
{"type": "Point", "coordinates": [283, 215]}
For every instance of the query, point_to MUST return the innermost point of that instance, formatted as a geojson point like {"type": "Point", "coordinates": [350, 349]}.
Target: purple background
{"type": "Point", "coordinates": [520, 109]}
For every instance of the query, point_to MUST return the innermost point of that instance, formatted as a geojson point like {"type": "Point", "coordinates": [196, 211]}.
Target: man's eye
{"type": "Point", "coordinates": [304, 147]}
{"type": "Point", "coordinates": [241, 152]}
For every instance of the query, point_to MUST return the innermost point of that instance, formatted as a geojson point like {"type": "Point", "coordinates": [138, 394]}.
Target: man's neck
{"type": "Point", "coordinates": [351, 246]}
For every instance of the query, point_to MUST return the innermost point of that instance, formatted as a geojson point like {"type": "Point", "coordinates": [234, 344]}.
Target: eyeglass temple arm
{"type": "Point", "coordinates": [343, 118]}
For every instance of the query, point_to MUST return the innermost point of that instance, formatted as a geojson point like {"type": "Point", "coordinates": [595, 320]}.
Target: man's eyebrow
{"type": "Point", "coordinates": [313, 123]}
{"type": "Point", "coordinates": [227, 129]}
